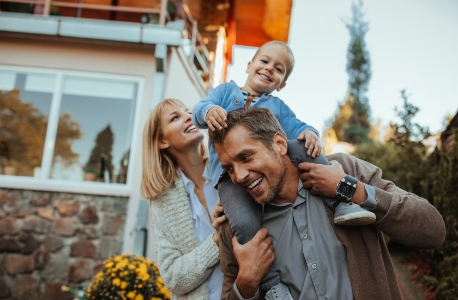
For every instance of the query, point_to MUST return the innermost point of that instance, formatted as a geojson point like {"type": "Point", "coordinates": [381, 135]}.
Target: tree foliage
{"type": "Point", "coordinates": [23, 132]}
{"type": "Point", "coordinates": [403, 160]}
{"type": "Point", "coordinates": [352, 122]}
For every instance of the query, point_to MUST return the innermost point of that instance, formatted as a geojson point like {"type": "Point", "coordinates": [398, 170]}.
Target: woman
{"type": "Point", "coordinates": [176, 179]}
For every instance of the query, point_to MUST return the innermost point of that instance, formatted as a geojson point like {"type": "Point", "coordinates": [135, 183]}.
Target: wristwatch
{"type": "Point", "coordinates": [346, 188]}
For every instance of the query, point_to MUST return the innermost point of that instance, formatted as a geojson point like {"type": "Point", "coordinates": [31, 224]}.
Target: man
{"type": "Point", "coordinates": [315, 259]}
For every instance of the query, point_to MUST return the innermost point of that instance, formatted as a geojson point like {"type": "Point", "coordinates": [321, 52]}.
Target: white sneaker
{"type": "Point", "coordinates": [279, 291]}
{"type": "Point", "coordinates": [351, 214]}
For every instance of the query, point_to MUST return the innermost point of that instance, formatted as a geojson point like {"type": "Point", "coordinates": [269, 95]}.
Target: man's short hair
{"type": "Point", "coordinates": [260, 122]}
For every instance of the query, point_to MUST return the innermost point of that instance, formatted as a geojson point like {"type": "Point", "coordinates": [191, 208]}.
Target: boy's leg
{"type": "Point", "coordinates": [243, 213]}
{"type": "Point", "coordinates": [244, 216]}
{"type": "Point", "coordinates": [346, 213]}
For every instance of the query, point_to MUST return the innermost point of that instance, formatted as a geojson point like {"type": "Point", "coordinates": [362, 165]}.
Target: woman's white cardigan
{"type": "Point", "coordinates": [183, 264]}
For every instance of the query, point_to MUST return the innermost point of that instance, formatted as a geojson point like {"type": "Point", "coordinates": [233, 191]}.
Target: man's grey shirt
{"type": "Point", "coordinates": [308, 256]}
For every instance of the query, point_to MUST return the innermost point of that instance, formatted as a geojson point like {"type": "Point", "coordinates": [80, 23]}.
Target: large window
{"type": "Point", "coordinates": [66, 125]}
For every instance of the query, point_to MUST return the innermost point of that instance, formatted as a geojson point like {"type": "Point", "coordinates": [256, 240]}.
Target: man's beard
{"type": "Point", "coordinates": [275, 187]}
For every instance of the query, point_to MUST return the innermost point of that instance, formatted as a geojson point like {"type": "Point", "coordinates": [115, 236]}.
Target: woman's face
{"type": "Point", "coordinates": [178, 132]}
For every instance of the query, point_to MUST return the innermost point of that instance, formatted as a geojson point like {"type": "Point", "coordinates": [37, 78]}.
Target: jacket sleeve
{"type": "Point", "coordinates": [403, 216]}
{"type": "Point", "coordinates": [291, 124]}
{"type": "Point", "coordinates": [229, 265]}
{"type": "Point", "coordinates": [214, 97]}
{"type": "Point", "coordinates": [181, 272]}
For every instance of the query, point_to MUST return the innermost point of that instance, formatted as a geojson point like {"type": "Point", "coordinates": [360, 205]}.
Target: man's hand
{"type": "Point", "coordinates": [254, 259]}
{"type": "Point", "coordinates": [216, 118]}
{"type": "Point", "coordinates": [321, 179]}
{"type": "Point", "coordinates": [311, 142]}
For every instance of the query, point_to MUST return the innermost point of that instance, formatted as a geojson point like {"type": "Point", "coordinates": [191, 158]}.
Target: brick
{"type": "Point", "coordinates": [80, 271]}
{"type": "Point", "coordinates": [36, 224]}
{"type": "Point", "coordinates": [3, 197]}
{"type": "Point", "coordinates": [15, 264]}
{"type": "Point", "coordinates": [9, 245]}
{"type": "Point", "coordinates": [83, 249]}
{"type": "Point", "coordinates": [25, 288]}
{"type": "Point", "coordinates": [112, 225]}
{"type": "Point", "coordinates": [30, 243]}
{"type": "Point", "coordinates": [13, 200]}
{"type": "Point", "coordinates": [4, 290]}
{"type": "Point", "coordinates": [46, 213]}
{"type": "Point", "coordinates": [9, 225]}
{"type": "Point", "coordinates": [53, 292]}
{"type": "Point", "coordinates": [39, 199]}
{"type": "Point", "coordinates": [56, 268]}
{"type": "Point", "coordinates": [41, 257]}
{"type": "Point", "coordinates": [22, 210]}
{"type": "Point", "coordinates": [88, 233]}
{"type": "Point", "coordinates": [68, 209]}
{"type": "Point", "coordinates": [52, 243]}
{"type": "Point", "coordinates": [89, 215]}
{"type": "Point", "coordinates": [65, 226]}
{"type": "Point", "coordinates": [108, 247]}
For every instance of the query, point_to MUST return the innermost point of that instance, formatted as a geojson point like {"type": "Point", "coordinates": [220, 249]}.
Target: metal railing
{"type": "Point", "coordinates": [200, 59]}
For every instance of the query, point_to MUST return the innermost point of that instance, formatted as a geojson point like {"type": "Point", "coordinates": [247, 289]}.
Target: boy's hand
{"type": "Point", "coordinates": [311, 142]}
{"type": "Point", "coordinates": [216, 118]}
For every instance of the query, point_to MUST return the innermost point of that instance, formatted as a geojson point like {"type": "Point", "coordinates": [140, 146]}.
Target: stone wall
{"type": "Point", "coordinates": [50, 239]}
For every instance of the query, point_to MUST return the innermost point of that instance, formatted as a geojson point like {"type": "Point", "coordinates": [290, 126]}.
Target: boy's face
{"type": "Point", "coordinates": [268, 69]}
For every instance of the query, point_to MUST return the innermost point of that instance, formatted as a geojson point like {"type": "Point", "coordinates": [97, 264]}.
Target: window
{"type": "Point", "coordinates": [66, 125]}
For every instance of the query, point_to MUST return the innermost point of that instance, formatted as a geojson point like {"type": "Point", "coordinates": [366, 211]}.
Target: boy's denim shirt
{"type": "Point", "coordinates": [229, 96]}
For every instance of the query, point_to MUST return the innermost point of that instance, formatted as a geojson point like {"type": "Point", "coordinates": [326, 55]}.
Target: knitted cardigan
{"type": "Point", "coordinates": [183, 264]}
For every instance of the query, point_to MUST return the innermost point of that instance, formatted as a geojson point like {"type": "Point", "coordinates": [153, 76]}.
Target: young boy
{"type": "Point", "coordinates": [268, 71]}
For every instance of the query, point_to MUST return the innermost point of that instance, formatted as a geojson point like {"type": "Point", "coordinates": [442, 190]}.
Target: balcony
{"type": "Point", "coordinates": [144, 22]}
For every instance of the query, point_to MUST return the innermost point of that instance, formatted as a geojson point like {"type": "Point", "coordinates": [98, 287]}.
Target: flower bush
{"type": "Point", "coordinates": [126, 277]}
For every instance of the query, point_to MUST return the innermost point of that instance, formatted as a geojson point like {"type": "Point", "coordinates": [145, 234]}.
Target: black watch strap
{"type": "Point", "coordinates": [346, 188]}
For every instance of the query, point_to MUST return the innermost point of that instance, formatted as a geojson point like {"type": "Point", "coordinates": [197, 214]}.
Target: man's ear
{"type": "Point", "coordinates": [280, 143]}
{"type": "Point", "coordinates": [281, 86]}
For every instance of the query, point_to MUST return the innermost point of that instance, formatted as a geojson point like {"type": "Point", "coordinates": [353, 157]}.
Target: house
{"type": "Point", "coordinates": [77, 81]}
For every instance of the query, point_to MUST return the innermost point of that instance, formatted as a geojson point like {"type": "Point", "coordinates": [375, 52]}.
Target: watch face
{"type": "Point", "coordinates": [345, 189]}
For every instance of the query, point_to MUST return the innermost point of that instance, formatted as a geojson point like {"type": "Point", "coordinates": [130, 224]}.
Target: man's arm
{"type": "Point", "coordinates": [255, 259]}
{"type": "Point", "coordinates": [405, 217]}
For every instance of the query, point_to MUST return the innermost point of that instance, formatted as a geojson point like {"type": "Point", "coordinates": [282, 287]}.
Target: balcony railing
{"type": "Point", "coordinates": [200, 58]}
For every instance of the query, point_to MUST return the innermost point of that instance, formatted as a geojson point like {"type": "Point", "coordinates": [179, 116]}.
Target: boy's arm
{"type": "Point", "coordinates": [292, 126]}
{"type": "Point", "coordinates": [200, 110]}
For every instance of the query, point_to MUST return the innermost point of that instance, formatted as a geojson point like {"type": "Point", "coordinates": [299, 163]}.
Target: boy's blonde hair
{"type": "Point", "coordinates": [159, 169]}
{"type": "Point", "coordinates": [287, 48]}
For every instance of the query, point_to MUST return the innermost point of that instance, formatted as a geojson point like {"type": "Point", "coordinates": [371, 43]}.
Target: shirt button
{"type": "Point", "coordinates": [237, 101]}
{"type": "Point", "coordinates": [313, 266]}
{"type": "Point", "coordinates": [305, 235]}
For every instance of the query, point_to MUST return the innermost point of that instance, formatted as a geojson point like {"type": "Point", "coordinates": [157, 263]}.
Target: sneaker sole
{"type": "Point", "coordinates": [357, 218]}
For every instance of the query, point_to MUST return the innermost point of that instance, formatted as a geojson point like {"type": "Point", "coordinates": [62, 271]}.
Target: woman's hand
{"type": "Point", "coordinates": [217, 218]}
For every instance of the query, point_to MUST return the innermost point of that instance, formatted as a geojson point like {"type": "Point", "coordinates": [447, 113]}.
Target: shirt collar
{"type": "Point", "coordinates": [187, 181]}
{"type": "Point", "coordinates": [301, 197]}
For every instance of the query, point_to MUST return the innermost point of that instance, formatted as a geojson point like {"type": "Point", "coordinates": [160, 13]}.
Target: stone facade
{"type": "Point", "coordinates": [51, 239]}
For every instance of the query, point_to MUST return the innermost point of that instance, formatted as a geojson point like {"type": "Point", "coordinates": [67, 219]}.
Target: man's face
{"type": "Point", "coordinates": [251, 165]}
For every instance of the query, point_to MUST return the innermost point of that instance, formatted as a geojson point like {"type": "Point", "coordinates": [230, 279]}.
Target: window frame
{"type": "Point", "coordinates": [44, 183]}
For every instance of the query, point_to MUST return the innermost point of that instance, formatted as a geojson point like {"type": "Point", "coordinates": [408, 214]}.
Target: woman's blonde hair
{"type": "Point", "coordinates": [158, 167]}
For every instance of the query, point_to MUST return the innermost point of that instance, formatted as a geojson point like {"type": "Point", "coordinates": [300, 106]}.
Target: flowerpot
{"type": "Point", "coordinates": [89, 176]}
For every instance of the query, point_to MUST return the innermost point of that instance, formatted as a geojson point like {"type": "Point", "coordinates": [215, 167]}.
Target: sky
{"type": "Point", "coordinates": [413, 45]}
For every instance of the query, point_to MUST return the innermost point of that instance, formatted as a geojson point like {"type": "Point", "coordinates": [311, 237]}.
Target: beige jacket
{"type": "Point", "coordinates": [183, 264]}
{"type": "Point", "coordinates": [404, 217]}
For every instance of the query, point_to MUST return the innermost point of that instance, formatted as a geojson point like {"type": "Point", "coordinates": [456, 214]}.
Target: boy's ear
{"type": "Point", "coordinates": [248, 67]}
{"type": "Point", "coordinates": [282, 85]}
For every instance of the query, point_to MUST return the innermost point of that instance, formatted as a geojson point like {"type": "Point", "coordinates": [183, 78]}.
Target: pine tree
{"type": "Point", "coordinates": [355, 128]}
